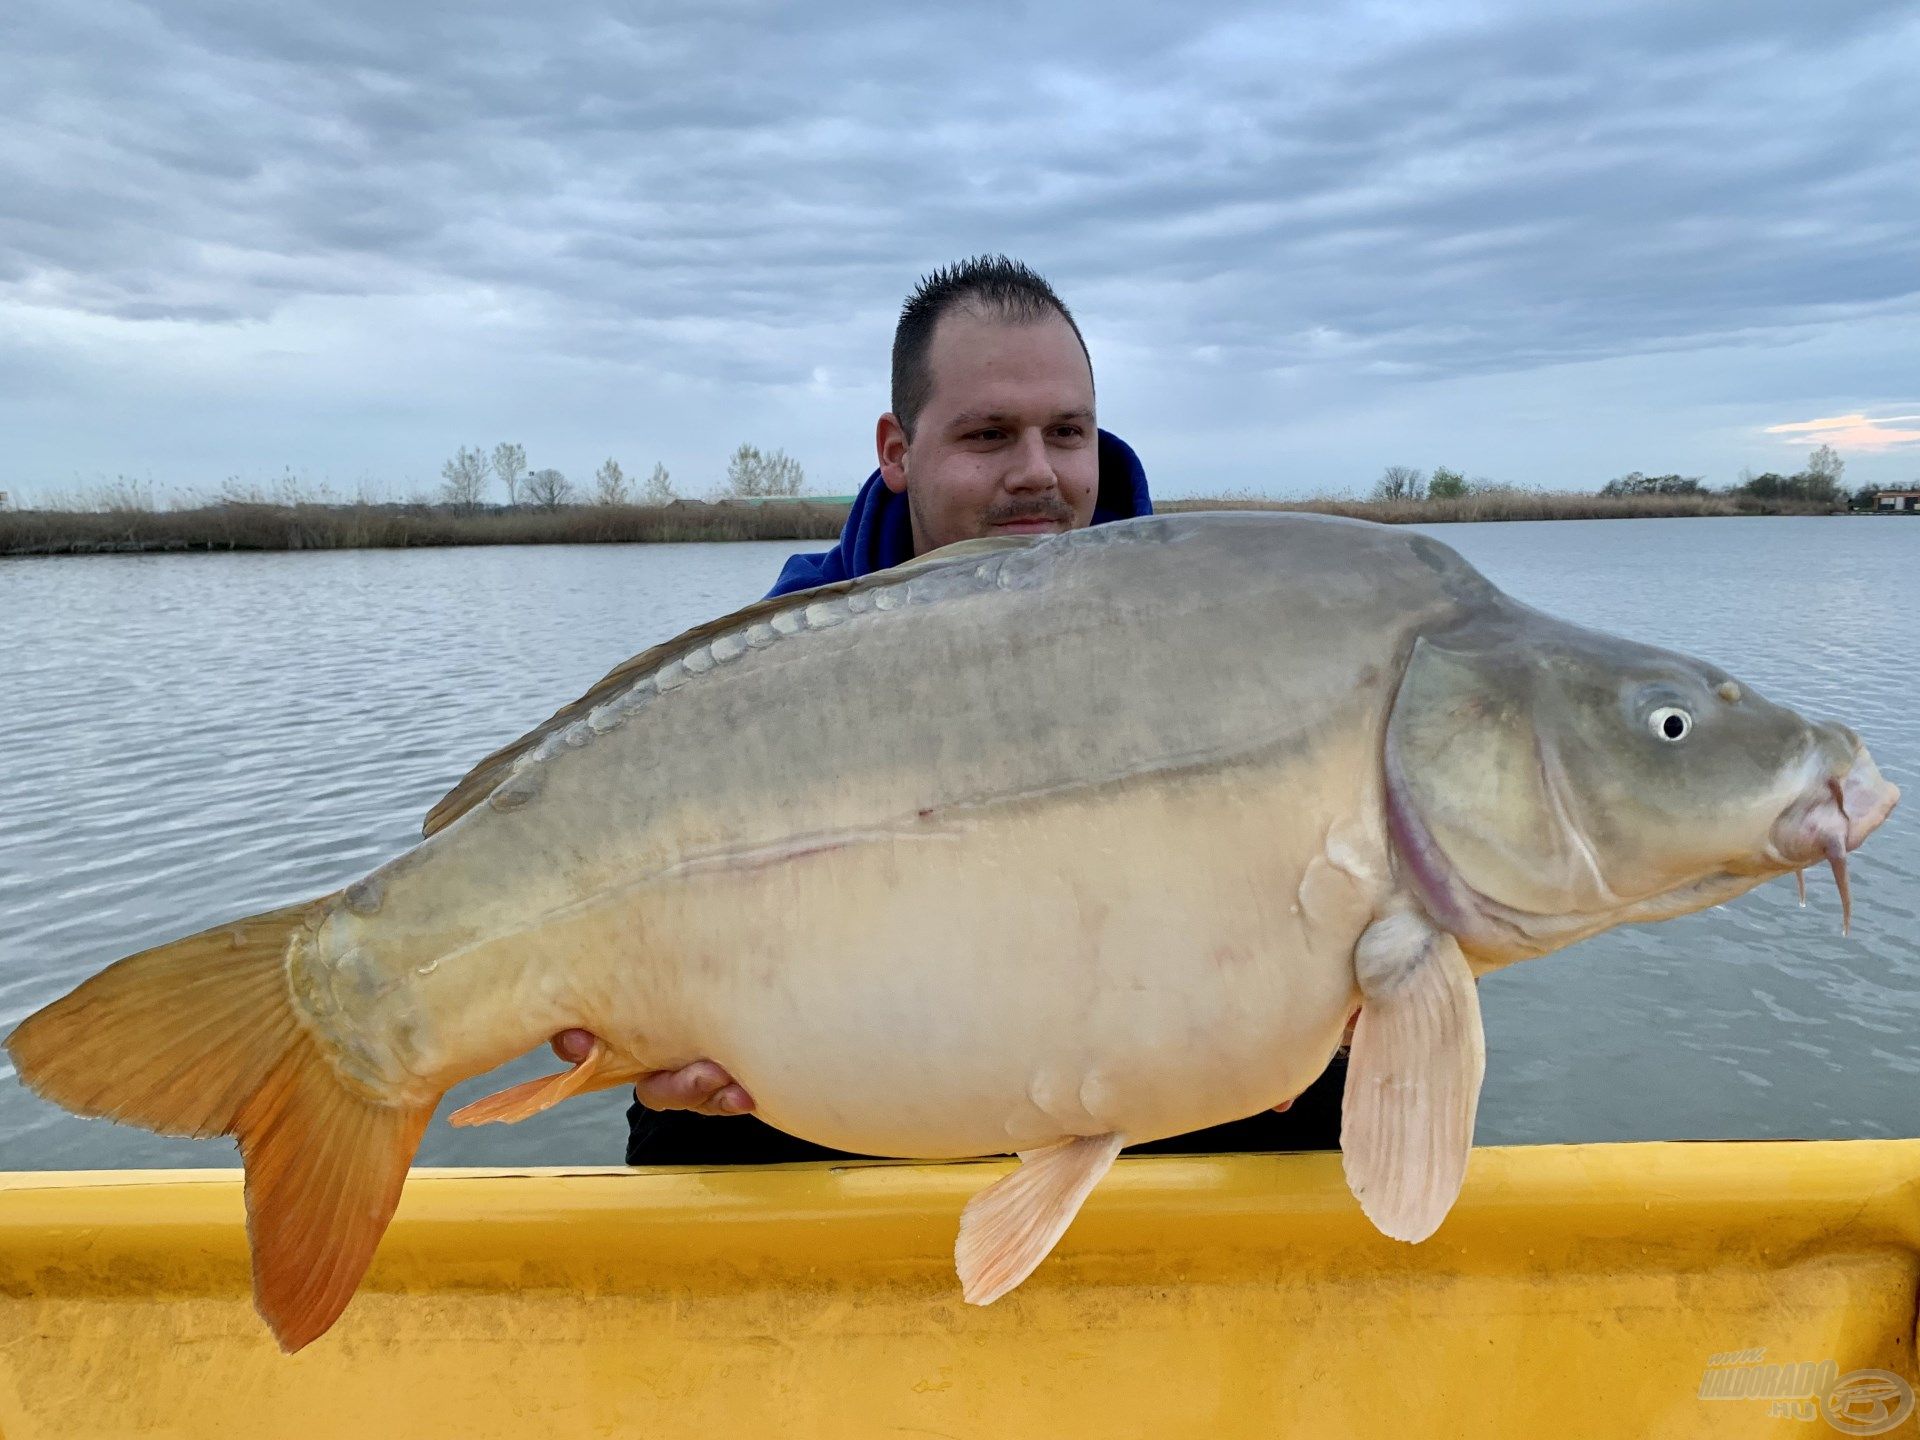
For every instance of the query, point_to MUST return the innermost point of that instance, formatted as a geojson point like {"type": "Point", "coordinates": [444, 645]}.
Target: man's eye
{"type": "Point", "coordinates": [1070, 432]}
{"type": "Point", "coordinates": [986, 435]}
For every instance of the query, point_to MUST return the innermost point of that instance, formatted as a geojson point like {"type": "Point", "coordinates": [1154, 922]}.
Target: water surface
{"type": "Point", "coordinates": [193, 737]}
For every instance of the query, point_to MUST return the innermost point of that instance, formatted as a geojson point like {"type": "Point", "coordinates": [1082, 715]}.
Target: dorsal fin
{"type": "Point", "coordinates": [479, 782]}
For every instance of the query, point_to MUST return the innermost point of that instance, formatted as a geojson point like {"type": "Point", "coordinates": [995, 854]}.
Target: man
{"type": "Point", "coordinates": [991, 433]}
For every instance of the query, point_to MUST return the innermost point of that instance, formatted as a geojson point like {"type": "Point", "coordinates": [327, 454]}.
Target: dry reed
{"type": "Point", "coordinates": [338, 527]}
{"type": "Point", "coordinates": [1504, 504]}
{"type": "Point", "coordinates": [309, 526]}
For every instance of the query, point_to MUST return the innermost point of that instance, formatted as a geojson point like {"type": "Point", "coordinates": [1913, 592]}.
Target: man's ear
{"type": "Point", "coordinates": [890, 443]}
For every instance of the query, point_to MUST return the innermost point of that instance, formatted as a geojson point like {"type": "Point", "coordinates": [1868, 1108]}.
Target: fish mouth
{"type": "Point", "coordinates": [1832, 818]}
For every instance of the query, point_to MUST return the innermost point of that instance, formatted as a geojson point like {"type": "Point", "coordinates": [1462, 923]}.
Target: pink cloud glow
{"type": "Point", "coordinates": [1851, 432]}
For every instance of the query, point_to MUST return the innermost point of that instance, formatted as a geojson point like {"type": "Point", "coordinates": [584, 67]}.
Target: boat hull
{"type": "Point", "coordinates": [1573, 1291]}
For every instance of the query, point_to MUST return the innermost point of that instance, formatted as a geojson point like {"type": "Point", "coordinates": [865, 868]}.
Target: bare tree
{"type": "Point", "coordinates": [659, 489]}
{"type": "Point", "coordinates": [610, 484]}
{"type": "Point", "coordinates": [1400, 482]}
{"type": "Point", "coordinates": [1636, 483]}
{"type": "Point", "coordinates": [464, 479]}
{"type": "Point", "coordinates": [751, 474]}
{"type": "Point", "coordinates": [549, 489]}
{"type": "Point", "coordinates": [1826, 464]}
{"type": "Point", "coordinates": [510, 463]}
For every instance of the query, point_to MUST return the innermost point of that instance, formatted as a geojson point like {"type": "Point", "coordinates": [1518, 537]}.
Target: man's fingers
{"type": "Point", "coordinates": [572, 1045]}
{"type": "Point", "coordinates": [730, 1100]}
{"type": "Point", "coordinates": [686, 1089]}
{"type": "Point", "coordinates": [702, 1086]}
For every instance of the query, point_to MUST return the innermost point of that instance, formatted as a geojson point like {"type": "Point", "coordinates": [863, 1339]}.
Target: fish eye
{"type": "Point", "coordinates": [1670, 723]}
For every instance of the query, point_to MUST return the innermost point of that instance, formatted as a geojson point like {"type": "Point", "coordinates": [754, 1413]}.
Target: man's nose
{"type": "Point", "coordinates": [1032, 465]}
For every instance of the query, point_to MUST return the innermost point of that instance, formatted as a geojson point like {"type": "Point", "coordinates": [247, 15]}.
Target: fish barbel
{"type": "Point", "coordinates": [1043, 845]}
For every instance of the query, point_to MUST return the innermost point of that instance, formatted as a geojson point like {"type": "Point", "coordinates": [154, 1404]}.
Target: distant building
{"type": "Point", "coordinates": [1890, 500]}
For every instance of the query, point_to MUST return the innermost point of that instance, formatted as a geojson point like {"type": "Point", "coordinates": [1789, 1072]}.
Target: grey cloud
{"type": "Point", "coordinates": [735, 193]}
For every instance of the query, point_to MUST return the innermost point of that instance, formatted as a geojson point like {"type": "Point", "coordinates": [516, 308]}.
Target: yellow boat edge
{"type": "Point", "coordinates": [1575, 1290]}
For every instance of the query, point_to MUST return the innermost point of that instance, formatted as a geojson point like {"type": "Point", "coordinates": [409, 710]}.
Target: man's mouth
{"type": "Point", "coordinates": [1030, 518]}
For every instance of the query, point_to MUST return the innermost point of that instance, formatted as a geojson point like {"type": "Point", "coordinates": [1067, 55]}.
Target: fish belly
{"type": "Point", "coordinates": [1149, 960]}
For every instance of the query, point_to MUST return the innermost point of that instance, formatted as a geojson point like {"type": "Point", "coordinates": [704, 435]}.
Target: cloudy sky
{"type": "Point", "coordinates": [1542, 244]}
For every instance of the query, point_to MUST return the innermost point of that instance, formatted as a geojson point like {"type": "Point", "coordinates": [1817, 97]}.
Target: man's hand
{"type": "Point", "coordinates": [702, 1086]}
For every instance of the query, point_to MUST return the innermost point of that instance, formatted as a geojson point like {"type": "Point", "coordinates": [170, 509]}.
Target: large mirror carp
{"type": "Point", "coordinates": [1037, 846]}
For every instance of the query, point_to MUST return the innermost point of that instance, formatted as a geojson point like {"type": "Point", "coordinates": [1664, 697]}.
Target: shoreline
{"type": "Point", "coordinates": [1492, 506]}
{"type": "Point", "coordinates": [258, 527]}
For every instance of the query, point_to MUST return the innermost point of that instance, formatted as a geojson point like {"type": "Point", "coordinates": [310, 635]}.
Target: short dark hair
{"type": "Point", "coordinates": [991, 283]}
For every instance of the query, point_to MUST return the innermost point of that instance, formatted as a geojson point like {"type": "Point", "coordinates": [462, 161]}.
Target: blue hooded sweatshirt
{"type": "Point", "coordinates": [879, 529]}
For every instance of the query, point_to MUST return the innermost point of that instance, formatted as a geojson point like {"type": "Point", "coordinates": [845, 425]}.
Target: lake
{"type": "Point", "coordinates": [190, 738]}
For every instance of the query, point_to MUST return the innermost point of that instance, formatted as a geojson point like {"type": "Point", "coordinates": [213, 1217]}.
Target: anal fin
{"type": "Point", "coordinates": [598, 1069]}
{"type": "Point", "coordinates": [1011, 1226]}
{"type": "Point", "coordinates": [1413, 1077]}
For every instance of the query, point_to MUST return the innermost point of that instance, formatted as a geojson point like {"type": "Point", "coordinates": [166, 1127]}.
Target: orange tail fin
{"type": "Point", "coordinates": [200, 1038]}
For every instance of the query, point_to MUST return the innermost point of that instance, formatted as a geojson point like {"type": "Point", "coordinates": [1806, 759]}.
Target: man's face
{"type": "Point", "coordinates": [1006, 444]}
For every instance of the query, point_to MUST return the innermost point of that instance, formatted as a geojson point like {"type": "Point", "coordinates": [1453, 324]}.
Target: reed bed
{"type": "Point", "coordinates": [310, 526]}
{"type": "Point", "coordinates": [1503, 504]}
{"type": "Point", "coordinates": [386, 527]}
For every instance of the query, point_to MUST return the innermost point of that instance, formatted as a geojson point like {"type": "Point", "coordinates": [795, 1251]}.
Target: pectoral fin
{"type": "Point", "coordinates": [1413, 1077]}
{"type": "Point", "coordinates": [600, 1069]}
{"type": "Point", "coordinates": [1009, 1227]}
